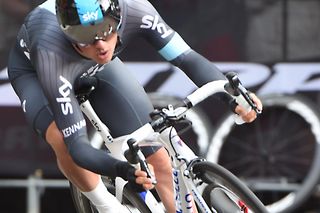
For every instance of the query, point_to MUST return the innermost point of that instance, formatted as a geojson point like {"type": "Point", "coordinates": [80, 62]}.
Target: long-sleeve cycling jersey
{"type": "Point", "coordinates": [57, 65]}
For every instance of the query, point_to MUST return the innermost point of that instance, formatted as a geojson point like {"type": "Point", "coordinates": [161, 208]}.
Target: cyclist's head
{"type": "Point", "coordinates": [85, 21]}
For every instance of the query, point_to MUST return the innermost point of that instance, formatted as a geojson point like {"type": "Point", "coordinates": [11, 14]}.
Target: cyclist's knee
{"type": "Point", "coordinates": [54, 137]}
{"type": "Point", "coordinates": [160, 161]}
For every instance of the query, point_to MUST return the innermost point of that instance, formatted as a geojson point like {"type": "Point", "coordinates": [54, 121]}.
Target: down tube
{"type": "Point", "coordinates": [183, 197]}
{"type": "Point", "coordinates": [184, 187]}
{"type": "Point", "coordinates": [185, 190]}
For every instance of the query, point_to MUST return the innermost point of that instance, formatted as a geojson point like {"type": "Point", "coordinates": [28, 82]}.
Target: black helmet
{"type": "Point", "coordinates": [85, 21]}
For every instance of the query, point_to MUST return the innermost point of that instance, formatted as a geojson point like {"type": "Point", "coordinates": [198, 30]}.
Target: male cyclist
{"type": "Point", "coordinates": [59, 43]}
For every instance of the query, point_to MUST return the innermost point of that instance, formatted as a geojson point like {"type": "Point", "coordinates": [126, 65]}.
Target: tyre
{"type": "Point", "coordinates": [224, 191]}
{"type": "Point", "coordinates": [278, 155]}
{"type": "Point", "coordinates": [131, 199]}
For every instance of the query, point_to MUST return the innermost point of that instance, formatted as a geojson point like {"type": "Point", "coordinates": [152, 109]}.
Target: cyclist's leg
{"type": "Point", "coordinates": [164, 187]}
{"type": "Point", "coordinates": [122, 104]}
{"type": "Point", "coordinates": [25, 83]}
{"type": "Point", "coordinates": [89, 183]}
{"type": "Point", "coordinates": [85, 180]}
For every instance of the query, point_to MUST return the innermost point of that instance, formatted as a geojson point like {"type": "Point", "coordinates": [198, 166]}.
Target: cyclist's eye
{"type": "Point", "coordinates": [110, 30]}
{"type": "Point", "coordinates": [103, 36]}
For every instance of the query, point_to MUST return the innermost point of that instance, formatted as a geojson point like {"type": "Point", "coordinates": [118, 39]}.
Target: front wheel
{"type": "Point", "coordinates": [224, 192]}
{"type": "Point", "coordinates": [278, 155]}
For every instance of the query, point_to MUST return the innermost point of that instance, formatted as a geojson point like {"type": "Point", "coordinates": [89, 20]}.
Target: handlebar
{"type": "Point", "coordinates": [233, 86]}
{"type": "Point", "coordinates": [165, 117]}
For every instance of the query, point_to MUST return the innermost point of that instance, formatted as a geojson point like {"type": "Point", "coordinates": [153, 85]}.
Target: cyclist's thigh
{"type": "Point", "coordinates": [121, 102]}
{"type": "Point", "coordinates": [24, 80]}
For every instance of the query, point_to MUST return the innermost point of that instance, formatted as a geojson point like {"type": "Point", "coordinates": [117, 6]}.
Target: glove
{"type": "Point", "coordinates": [127, 172]}
{"type": "Point", "coordinates": [227, 99]}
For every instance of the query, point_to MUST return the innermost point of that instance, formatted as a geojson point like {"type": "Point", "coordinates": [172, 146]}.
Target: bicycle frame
{"type": "Point", "coordinates": [180, 154]}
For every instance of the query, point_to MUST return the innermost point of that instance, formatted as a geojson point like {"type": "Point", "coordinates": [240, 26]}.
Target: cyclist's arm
{"type": "Point", "coordinates": [56, 75]}
{"type": "Point", "coordinates": [175, 50]}
{"type": "Point", "coordinates": [169, 44]}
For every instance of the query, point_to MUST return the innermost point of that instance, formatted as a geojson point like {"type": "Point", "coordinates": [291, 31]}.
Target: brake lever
{"type": "Point", "coordinates": [244, 92]}
{"type": "Point", "coordinates": [236, 88]}
{"type": "Point", "coordinates": [134, 155]}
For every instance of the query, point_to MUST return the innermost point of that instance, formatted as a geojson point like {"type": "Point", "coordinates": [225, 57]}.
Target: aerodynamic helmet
{"type": "Point", "coordinates": [85, 21]}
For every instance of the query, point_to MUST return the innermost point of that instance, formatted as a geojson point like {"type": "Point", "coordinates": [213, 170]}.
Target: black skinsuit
{"type": "Point", "coordinates": [44, 66]}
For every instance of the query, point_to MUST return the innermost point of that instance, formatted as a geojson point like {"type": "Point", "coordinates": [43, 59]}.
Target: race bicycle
{"type": "Point", "coordinates": [213, 188]}
{"type": "Point", "coordinates": [277, 156]}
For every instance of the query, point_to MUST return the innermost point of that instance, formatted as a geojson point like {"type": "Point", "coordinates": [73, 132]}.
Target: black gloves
{"type": "Point", "coordinates": [126, 171]}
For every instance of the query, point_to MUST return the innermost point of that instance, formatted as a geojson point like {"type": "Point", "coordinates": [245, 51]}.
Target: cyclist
{"type": "Point", "coordinates": [59, 44]}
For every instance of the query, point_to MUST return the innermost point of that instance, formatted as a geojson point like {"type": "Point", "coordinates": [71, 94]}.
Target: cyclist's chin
{"type": "Point", "coordinates": [103, 58]}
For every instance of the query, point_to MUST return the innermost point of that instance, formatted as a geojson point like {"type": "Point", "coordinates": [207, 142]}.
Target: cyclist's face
{"type": "Point", "coordinates": [101, 51]}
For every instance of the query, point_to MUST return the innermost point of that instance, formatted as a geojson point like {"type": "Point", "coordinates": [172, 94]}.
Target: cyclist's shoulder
{"type": "Point", "coordinates": [141, 5]}
{"type": "Point", "coordinates": [134, 10]}
{"type": "Point", "coordinates": [141, 19]}
{"type": "Point", "coordinates": [38, 25]}
{"type": "Point", "coordinates": [42, 20]}
{"type": "Point", "coordinates": [41, 15]}
{"type": "Point", "coordinates": [41, 33]}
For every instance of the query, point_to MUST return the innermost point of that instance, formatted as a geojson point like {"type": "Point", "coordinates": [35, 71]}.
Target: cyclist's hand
{"type": "Point", "coordinates": [251, 115]}
{"type": "Point", "coordinates": [136, 178]}
{"type": "Point", "coordinates": [142, 179]}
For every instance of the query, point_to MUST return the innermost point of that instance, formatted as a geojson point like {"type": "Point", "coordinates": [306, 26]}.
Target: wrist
{"type": "Point", "coordinates": [124, 169]}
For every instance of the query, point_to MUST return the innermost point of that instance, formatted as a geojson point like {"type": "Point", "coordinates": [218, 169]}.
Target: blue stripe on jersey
{"type": "Point", "coordinates": [89, 11]}
{"type": "Point", "coordinates": [49, 5]}
{"type": "Point", "coordinates": [174, 48]}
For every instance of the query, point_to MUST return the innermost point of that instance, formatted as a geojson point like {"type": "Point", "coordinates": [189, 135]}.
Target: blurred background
{"type": "Point", "coordinates": [256, 36]}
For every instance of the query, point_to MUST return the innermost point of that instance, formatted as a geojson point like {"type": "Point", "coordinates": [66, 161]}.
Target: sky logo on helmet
{"type": "Point", "coordinates": [90, 16]}
{"type": "Point", "coordinates": [89, 11]}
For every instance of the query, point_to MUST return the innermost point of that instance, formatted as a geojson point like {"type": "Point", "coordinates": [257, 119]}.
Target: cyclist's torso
{"type": "Point", "coordinates": [58, 64]}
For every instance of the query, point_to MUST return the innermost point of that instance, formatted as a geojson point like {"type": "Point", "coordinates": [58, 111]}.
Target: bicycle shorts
{"type": "Point", "coordinates": [119, 100]}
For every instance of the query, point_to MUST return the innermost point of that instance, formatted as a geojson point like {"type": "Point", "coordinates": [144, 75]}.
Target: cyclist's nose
{"type": "Point", "coordinates": [99, 43]}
